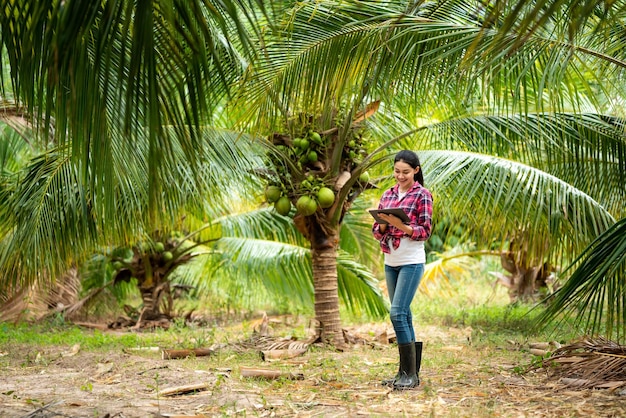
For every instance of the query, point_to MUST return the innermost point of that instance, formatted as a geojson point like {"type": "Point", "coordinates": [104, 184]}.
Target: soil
{"type": "Point", "coordinates": [460, 377]}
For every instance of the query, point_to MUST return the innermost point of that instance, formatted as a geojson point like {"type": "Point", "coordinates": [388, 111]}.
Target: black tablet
{"type": "Point", "coordinates": [392, 211]}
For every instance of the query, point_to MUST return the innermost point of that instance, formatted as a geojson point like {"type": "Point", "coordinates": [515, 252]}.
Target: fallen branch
{"type": "Point", "coordinates": [174, 354]}
{"type": "Point", "coordinates": [143, 349]}
{"type": "Point", "coordinates": [38, 412]}
{"type": "Point", "coordinates": [181, 390]}
{"type": "Point", "coordinates": [269, 374]}
{"type": "Point", "coordinates": [267, 355]}
{"type": "Point", "coordinates": [101, 327]}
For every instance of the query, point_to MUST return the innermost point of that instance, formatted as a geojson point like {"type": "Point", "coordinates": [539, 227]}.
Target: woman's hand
{"type": "Point", "coordinates": [395, 221]}
{"type": "Point", "coordinates": [391, 219]}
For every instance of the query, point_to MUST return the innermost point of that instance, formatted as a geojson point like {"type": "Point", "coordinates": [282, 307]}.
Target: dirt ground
{"type": "Point", "coordinates": [460, 378]}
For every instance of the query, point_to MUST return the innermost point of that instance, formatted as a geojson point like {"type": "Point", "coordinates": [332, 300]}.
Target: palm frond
{"type": "Point", "coordinates": [99, 72]}
{"type": "Point", "coordinates": [53, 211]}
{"type": "Point", "coordinates": [53, 218]}
{"type": "Point", "coordinates": [448, 267]}
{"type": "Point", "coordinates": [587, 363]}
{"type": "Point", "coordinates": [594, 295]}
{"type": "Point", "coordinates": [263, 223]}
{"type": "Point", "coordinates": [502, 197]}
{"type": "Point", "coordinates": [279, 267]}
{"type": "Point", "coordinates": [356, 233]}
{"type": "Point", "coordinates": [260, 257]}
{"type": "Point", "coordinates": [563, 145]}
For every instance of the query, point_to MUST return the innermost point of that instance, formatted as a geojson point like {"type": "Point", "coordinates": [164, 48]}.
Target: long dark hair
{"type": "Point", "coordinates": [411, 158]}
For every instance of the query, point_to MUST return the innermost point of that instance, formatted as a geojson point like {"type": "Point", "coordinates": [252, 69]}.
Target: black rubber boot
{"type": "Point", "coordinates": [418, 359]}
{"type": "Point", "coordinates": [408, 377]}
{"type": "Point", "coordinates": [418, 365]}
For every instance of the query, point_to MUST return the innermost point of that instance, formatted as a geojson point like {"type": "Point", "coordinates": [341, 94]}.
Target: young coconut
{"type": "Point", "coordinates": [283, 205]}
{"type": "Point", "coordinates": [306, 206]}
{"type": "Point", "coordinates": [167, 256]}
{"type": "Point", "coordinates": [325, 197]}
{"type": "Point", "coordinates": [272, 193]}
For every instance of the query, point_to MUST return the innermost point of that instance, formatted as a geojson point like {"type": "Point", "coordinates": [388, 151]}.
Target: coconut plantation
{"type": "Point", "coordinates": [185, 196]}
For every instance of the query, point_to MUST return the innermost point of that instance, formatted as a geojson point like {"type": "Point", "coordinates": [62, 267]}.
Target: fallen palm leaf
{"type": "Point", "coordinates": [588, 363]}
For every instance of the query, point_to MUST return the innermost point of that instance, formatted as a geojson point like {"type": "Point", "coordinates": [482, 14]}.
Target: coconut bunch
{"type": "Point", "coordinates": [301, 169]}
{"type": "Point", "coordinates": [588, 363]}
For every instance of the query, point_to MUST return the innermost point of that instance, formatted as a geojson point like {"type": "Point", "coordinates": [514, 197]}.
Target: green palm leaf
{"type": "Point", "coordinates": [564, 145]}
{"type": "Point", "coordinates": [93, 73]}
{"type": "Point", "coordinates": [359, 289]}
{"type": "Point", "coordinates": [556, 216]}
{"type": "Point", "coordinates": [53, 221]}
{"type": "Point", "coordinates": [594, 295]}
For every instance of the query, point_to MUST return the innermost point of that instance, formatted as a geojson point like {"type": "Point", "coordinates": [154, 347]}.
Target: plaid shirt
{"type": "Point", "coordinates": [418, 204]}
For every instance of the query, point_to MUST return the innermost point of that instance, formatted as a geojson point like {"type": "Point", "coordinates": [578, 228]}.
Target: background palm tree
{"type": "Point", "coordinates": [118, 94]}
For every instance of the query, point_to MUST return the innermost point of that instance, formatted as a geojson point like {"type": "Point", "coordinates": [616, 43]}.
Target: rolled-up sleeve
{"type": "Point", "coordinates": [376, 231]}
{"type": "Point", "coordinates": [378, 235]}
{"type": "Point", "coordinates": [421, 219]}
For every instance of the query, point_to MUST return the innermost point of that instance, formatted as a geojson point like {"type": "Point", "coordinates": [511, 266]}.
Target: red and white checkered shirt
{"type": "Point", "coordinates": [418, 205]}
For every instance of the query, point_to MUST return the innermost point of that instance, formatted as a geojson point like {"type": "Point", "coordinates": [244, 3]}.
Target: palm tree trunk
{"type": "Point", "coordinates": [324, 259]}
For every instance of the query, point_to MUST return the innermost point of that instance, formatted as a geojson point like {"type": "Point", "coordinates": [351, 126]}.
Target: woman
{"type": "Point", "coordinates": [403, 248]}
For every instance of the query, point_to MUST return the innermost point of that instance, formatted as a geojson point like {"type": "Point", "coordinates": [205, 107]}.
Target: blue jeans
{"type": "Point", "coordinates": [402, 283]}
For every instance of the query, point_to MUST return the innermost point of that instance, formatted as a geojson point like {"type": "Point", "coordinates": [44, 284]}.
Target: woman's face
{"type": "Point", "coordinates": [403, 174]}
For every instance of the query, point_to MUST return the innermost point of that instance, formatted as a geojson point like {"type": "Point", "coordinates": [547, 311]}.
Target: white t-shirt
{"type": "Point", "coordinates": [409, 252]}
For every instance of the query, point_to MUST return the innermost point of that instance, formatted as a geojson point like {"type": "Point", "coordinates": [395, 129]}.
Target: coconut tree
{"type": "Point", "coordinates": [116, 92]}
{"type": "Point", "coordinates": [114, 171]}
{"type": "Point", "coordinates": [466, 81]}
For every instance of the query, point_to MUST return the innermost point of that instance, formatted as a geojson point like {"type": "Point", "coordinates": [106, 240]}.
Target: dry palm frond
{"type": "Point", "coordinates": [263, 343]}
{"type": "Point", "coordinates": [588, 363]}
{"type": "Point", "coordinates": [36, 302]}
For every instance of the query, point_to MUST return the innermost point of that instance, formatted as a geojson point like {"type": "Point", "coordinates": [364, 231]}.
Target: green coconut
{"type": "Point", "coordinates": [325, 197]}
{"type": "Point", "coordinates": [283, 205]}
{"type": "Point", "coordinates": [306, 206]}
{"type": "Point", "coordinates": [272, 193]}
{"type": "Point", "coordinates": [315, 137]}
